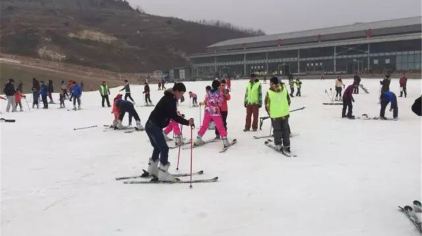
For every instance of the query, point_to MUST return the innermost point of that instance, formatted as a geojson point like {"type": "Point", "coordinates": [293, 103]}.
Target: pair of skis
{"type": "Point", "coordinates": [149, 179]}
{"type": "Point", "coordinates": [233, 142]}
{"type": "Point", "coordinates": [410, 212]}
{"type": "Point", "coordinates": [269, 143]}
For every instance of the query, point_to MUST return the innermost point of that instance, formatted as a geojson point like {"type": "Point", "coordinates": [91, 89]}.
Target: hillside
{"type": "Point", "coordinates": [106, 34]}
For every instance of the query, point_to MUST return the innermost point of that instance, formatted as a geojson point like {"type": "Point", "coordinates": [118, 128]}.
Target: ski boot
{"type": "Point", "coordinates": [199, 141]}
{"type": "Point", "coordinates": [178, 140]}
{"type": "Point", "coordinates": [164, 175]}
{"type": "Point", "coordinates": [153, 167]}
{"type": "Point", "coordinates": [119, 125]}
{"type": "Point", "coordinates": [139, 127]}
{"type": "Point", "coordinates": [226, 142]}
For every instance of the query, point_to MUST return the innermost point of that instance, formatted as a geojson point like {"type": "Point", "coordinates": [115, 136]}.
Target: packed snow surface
{"type": "Point", "coordinates": [349, 178]}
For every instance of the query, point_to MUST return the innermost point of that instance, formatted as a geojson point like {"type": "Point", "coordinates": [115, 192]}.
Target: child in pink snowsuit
{"type": "Point", "coordinates": [213, 102]}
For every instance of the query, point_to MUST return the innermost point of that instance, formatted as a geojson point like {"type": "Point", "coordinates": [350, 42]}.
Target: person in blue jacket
{"type": "Point", "coordinates": [44, 94]}
{"type": "Point", "coordinates": [76, 94]}
{"type": "Point", "coordinates": [387, 97]}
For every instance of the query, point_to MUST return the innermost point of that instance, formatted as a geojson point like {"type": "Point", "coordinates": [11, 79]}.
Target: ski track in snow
{"type": "Point", "coordinates": [348, 178]}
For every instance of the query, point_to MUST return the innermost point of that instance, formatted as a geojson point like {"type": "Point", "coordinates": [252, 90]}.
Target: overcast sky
{"type": "Point", "coordinates": [278, 16]}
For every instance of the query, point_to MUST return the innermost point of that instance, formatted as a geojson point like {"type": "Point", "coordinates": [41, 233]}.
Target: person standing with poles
{"type": "Point", "coordinates": [252, 102]}
{"type": "Point", "coordinates": [126, 87]}
{"type": "Point", "coordinates": [104, 92]}
{"type": "Point", "coordinates": [44, 94]}
{"type": "Point", "coordinates": [76, 93]}
{"type": "Point", "coordinates": [159, 118]}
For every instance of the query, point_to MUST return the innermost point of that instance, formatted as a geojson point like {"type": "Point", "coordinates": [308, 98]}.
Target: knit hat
{"type": "Point", "coordinates": [274, 80]}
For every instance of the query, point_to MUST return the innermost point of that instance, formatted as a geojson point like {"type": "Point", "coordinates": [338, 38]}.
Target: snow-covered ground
{"type": "Point", "coordinates": [348, 179]}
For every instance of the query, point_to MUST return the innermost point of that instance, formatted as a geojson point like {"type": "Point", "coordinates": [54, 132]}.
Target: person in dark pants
{"type": "Point", "coordinates": [298, 86]}
{"type": "Point", "coordinates": [194, 99]}
{"type": "Point", "coordinates": [147, 94]}
{"type": "Point", "coordinates": [224, 109]}
{"type": "Point", "coordinates": [50, 90]}
{"type": "Point", "coordinates": [10, 92]}
{"type": "Point", "coordinates": [44, 94]}
{"type": "Point", "coordinates": [76, 93]}
{"type": "Point", "coordinates": [356, 80]}
{"type": "Point", "coordinates": [277, 103]}
{"type": "Point", "coordinates": [347, 102]}
{"type": "Point", "coordinates": [386, 98]}
{"type": "Point", "coordinates": [417, 106]}
{"type": "Point", "coordinates": [127, 91]}
{"type": "Point", "coordinates": [123, 107]}
{"type": "Point", "coordinates": [403, 83]}
{"type": "Point", "coordinates": [35, 92]}
{"type": "Point", "coordinates": [164, 111]}
{"type": "Point", "coordinates": [292, 85]}
{"type": "Point", "coordinates": [104, 92]}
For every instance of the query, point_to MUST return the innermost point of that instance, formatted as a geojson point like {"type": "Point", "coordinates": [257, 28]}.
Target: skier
{"type": "Point", "coordinates": [213, 103]}
{"type": "Point", "coordinates": [104, 92]}
{"type": "Point", "coordinates": [347, 101]}
{"type": "Point", "coordinates": [339, 87]}
{"type": "Point", "coordinates": [292, 85]}
{"type": "Point", "coordinates": [385, 84]}
{"type": "Point", "coordinates": [224, 108]}
{"type": "Point", "coordinates": [18, 97]}
{"type": "Point", "coordinates": [356, 80]}
{"type": "Point", "coordinates": [44, 94]}
{"type": "Point", "coordinates": [126, 87]}
{"type": "Point", "coordinates": [229, 83]}
{"type": "Point", "coordinates": [159, 118]}
{"type": "Point", "coordinates": [123, 106]}
{"type": "Point", "coordinates": [147, 94]}
{"type": "Point", "coordinates": [174, 126]}
{"type": "Point", "coordinates": [252, 102]}
{"type": "Point", "coordinates": [416, 107]}
{"type": "Point", "coordinates": [386, 98]}
{"type": "Point", "coordinates": [35, 92]}
{"type": "Point", "coordinates": [76, 93]}
{"type": "Point", "coordinates": [277, 103]}
{"type": "Point", "coordinates": [63, 94]}
{"type": "Point", "coordinates": [159, 85]}
{"type": "Point", "coordinates": [298, 86]}
{"type": "Point", "coordinates": [403, 82]}
{"type": "Point", "coordinates": [50, 91]}
{"type": "Point", "coordinates": [9, 91]}
{"type": "Point", "coordinates": [194, 99]}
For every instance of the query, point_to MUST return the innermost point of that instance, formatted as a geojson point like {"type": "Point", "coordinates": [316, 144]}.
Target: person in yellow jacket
{"type": "Point", "coordinates": [252, 102]}
{"type": "Point", "coordinates": [104, 92]}
{"type": "Point", "coordinates": [277, 103]}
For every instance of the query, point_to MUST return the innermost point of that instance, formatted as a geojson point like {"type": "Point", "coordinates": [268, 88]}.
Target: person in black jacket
{"type": "Point", "coordinates": [35, 92]}
{"type": "Point", "coordinates": [127, 91]}
{"type": "Point", "coordinates": [416, 107]}
{"type": "Point", "coordinates": [147, 94]}
{"type": "Point", "coordinates": [50, 91]}
{"type": "Point", "coordinates": [123, 107]}
{"type": "Point", "coordinates": [159, 118]}
{"type": "Point", "coordinates": [356, 80]}
{"type": "Point", "coordinates": [10, 91]}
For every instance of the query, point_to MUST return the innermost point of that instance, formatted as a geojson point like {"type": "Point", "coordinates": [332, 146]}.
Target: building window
{"type": "Point", "coordinates": [375, 61]}
{"type": "Point", "coordinates": [387, 60]}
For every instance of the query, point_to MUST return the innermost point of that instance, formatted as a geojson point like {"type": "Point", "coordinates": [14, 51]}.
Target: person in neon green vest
{"type": "Point", "coordinates": [277, 103]}
{"type": "Point", "coordinates": [104, 92]}
{"type": "Point", "coordinates": [253, 101]}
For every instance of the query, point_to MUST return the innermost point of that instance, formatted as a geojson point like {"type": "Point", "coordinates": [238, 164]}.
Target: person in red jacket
{"type": "Point", "coordinates": [403, 82]}
{"type": "Point", "coordinates": [224, 108]}
{"type": "Point", "coordinates": [18, 98]}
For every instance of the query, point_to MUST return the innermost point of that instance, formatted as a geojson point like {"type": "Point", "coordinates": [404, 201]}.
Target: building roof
{"type": "Point", "coordinates": [320, 32]}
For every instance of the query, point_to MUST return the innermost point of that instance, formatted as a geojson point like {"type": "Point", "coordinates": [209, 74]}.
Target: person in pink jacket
{"type": "Point", "coordinates": [224, 108]}
{"type": "Point", "coordinates": [213, 103]}
{"type": "Point", "coordinates": [174, 126]}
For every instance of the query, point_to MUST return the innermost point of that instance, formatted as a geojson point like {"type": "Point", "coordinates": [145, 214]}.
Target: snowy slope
{"type": "Point", "coordinates": [348, 179]}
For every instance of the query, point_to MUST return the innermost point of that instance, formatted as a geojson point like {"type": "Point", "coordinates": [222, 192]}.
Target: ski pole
{"type": "Point", "coordinates": [200, 113]}
{"type": "Point", "coordinates": [180, 145]}
{"type": "Point", "coordinates": [191, 154]}
{"type": "Point", "coordinates": [87, 127]}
